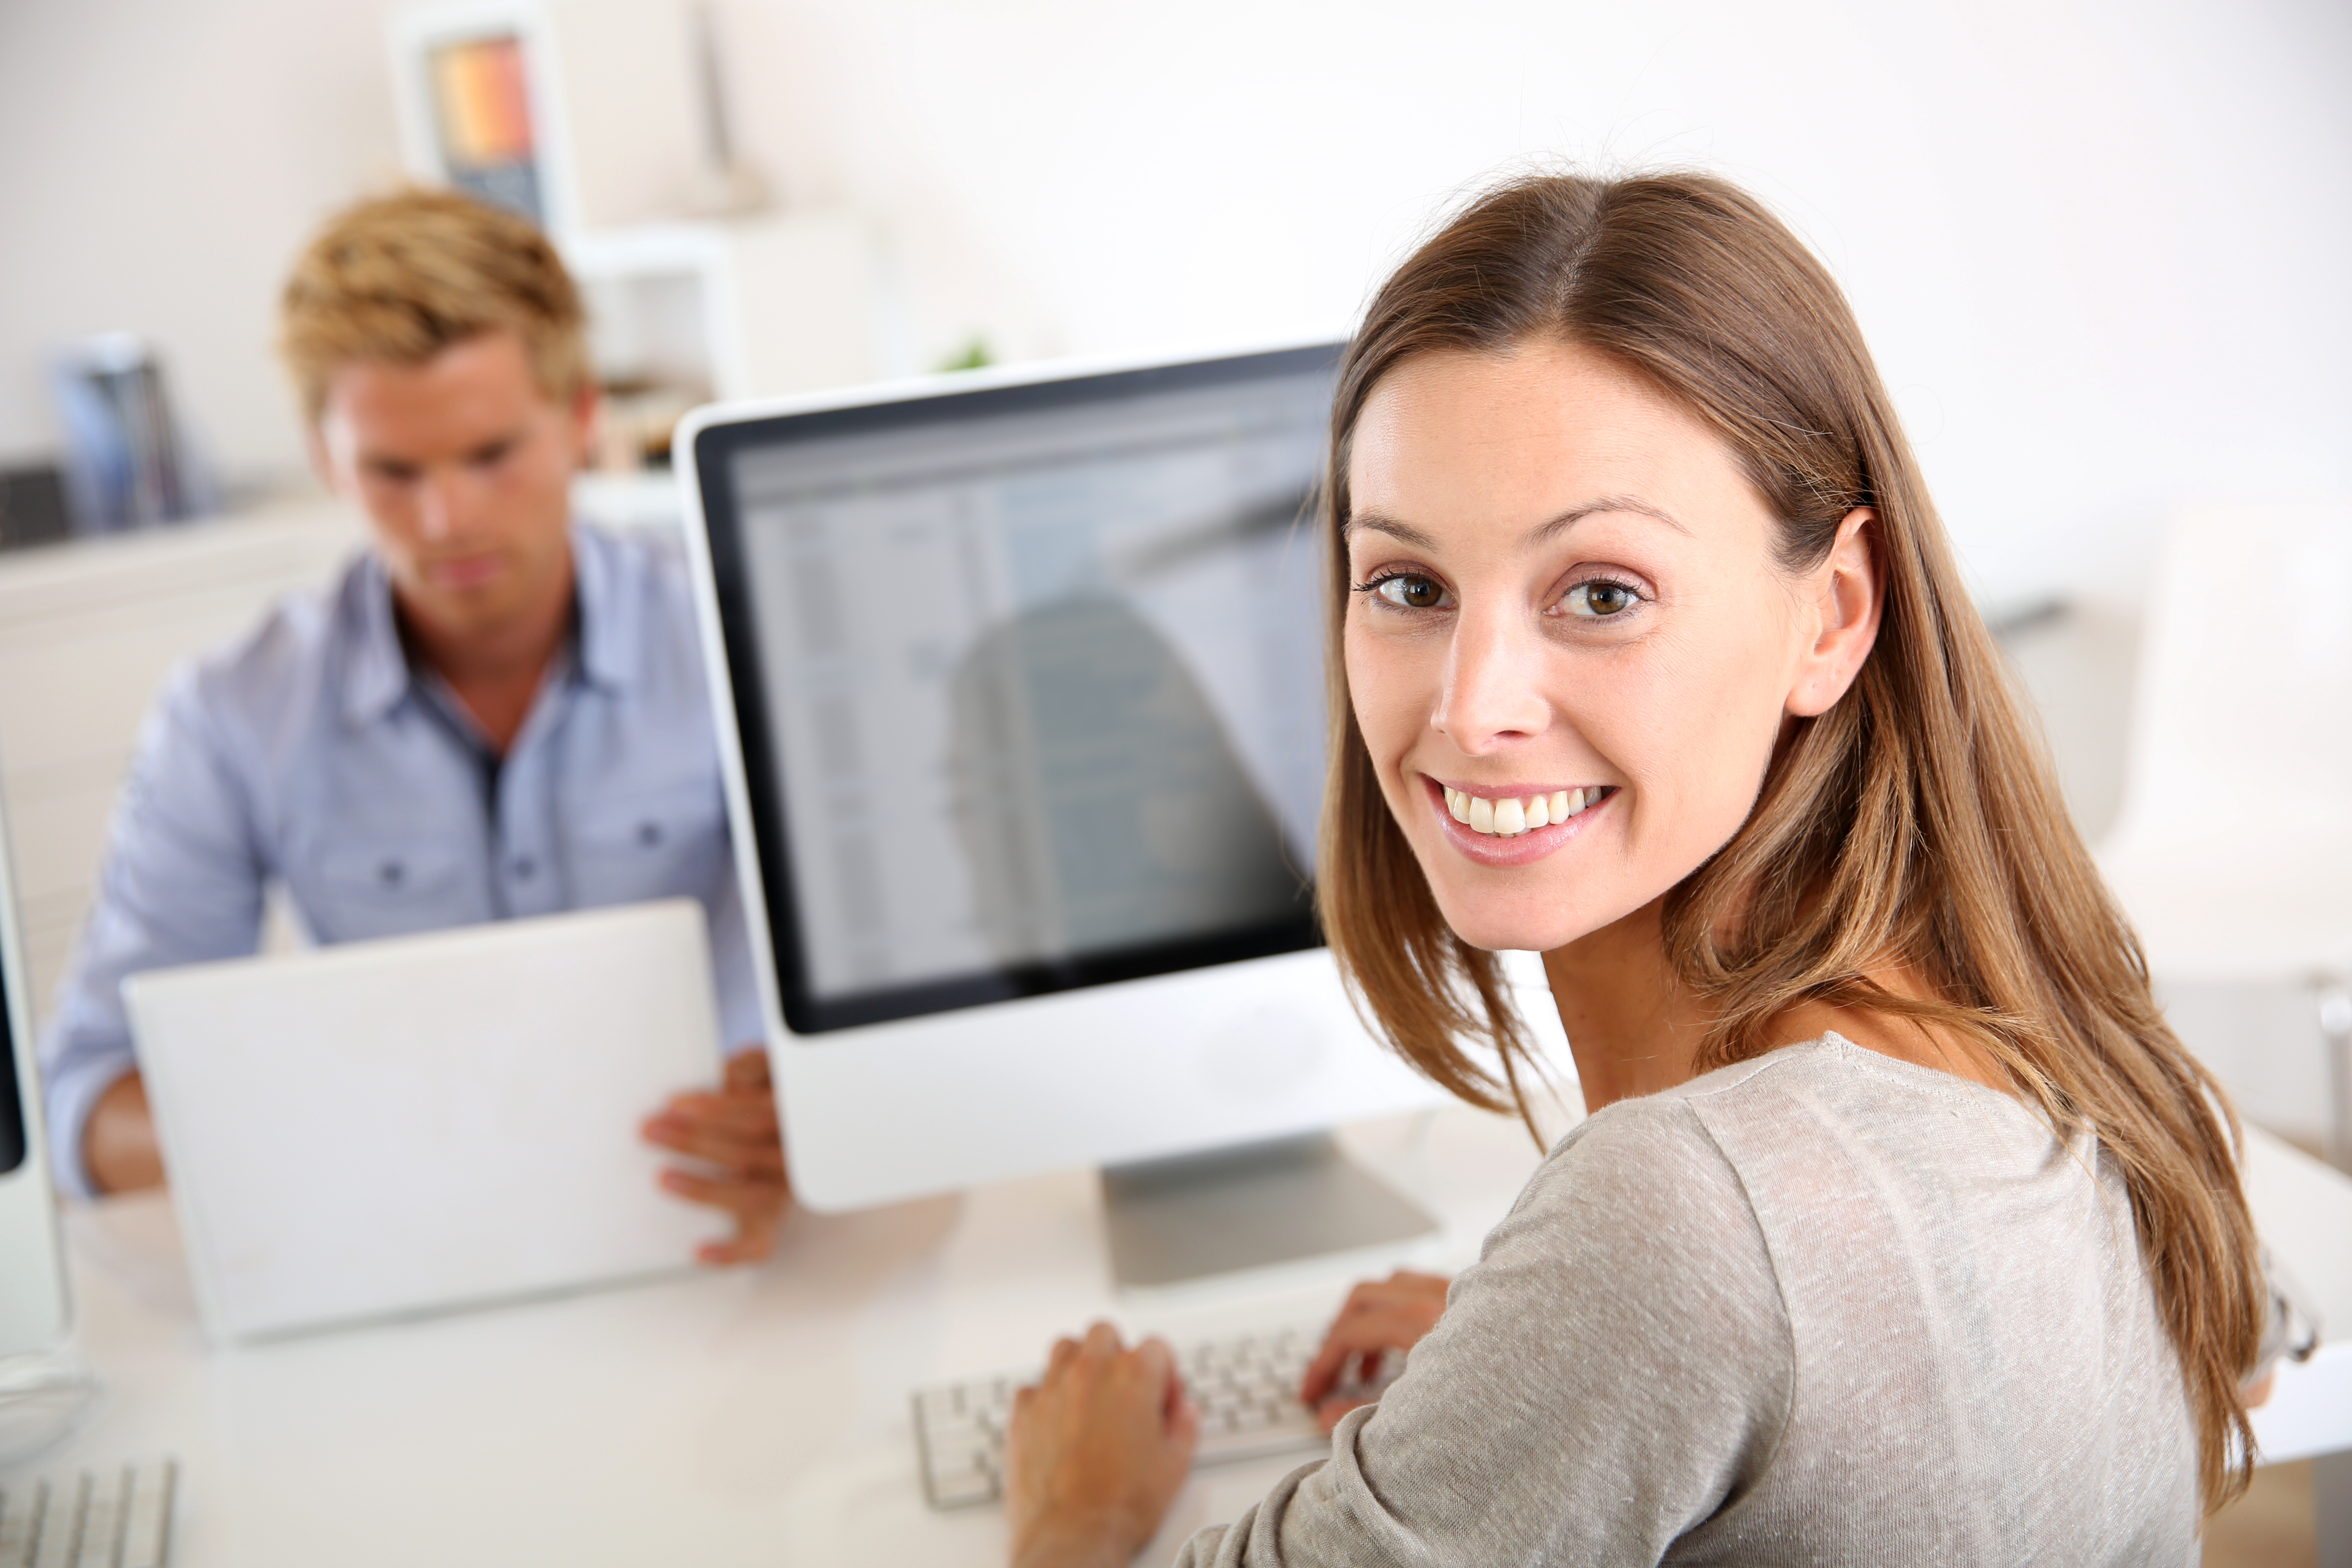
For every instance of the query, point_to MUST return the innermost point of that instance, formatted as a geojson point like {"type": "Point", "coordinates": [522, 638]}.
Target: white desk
{"type": "Point", "coordinates": [753, 1417]}
{"type": "Point", "coordinates": [759, 1416]}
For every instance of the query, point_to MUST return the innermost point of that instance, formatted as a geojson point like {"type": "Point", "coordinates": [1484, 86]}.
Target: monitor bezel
{"type": "Point", "coordinates": [714, 446]}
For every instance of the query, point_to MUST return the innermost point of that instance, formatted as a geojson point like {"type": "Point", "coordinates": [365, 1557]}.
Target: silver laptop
{"type": "Point", "coordinates": [406, 1126]}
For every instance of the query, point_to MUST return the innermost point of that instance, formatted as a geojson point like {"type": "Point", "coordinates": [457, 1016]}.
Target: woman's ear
{"type": "Point", "coordinates": [1841, 603]}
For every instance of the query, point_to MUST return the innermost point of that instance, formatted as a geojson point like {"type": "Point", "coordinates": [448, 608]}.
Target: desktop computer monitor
{"type": "Point", "coordinates": [1020, 685]}
{"type": "Point", "coordinates": [34, 1309]}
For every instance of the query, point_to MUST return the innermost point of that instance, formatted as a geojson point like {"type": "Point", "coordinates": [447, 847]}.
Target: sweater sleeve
{"type": "Point", "coordinates": [1616, 1368]}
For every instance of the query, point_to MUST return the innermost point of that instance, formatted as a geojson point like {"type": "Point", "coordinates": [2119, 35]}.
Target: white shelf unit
{"type": "Point", "coordinates": [757, 306]}
{"type": "Point", "coordinates": [612, 117]}
{"type": "Point", "coordinates": [636, 180]}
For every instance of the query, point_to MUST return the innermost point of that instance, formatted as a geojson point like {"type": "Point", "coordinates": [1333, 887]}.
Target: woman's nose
{"type": "Point", "coordinates": [1493, 676]}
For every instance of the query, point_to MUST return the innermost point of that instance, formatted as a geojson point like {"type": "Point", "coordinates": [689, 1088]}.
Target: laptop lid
{"type": "Point", "coordinates": [398, 1126]}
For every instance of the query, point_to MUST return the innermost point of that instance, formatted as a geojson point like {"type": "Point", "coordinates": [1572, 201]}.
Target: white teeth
{"type": "Point", "coordinates": [1508, 817]}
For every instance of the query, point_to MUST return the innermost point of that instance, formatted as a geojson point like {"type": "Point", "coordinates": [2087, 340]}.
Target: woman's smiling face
{"type": "Point", "coordinates": [1565, 591]}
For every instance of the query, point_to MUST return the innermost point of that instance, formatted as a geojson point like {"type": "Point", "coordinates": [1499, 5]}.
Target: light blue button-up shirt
{"type": "Point", "coordinates": [311, 755]}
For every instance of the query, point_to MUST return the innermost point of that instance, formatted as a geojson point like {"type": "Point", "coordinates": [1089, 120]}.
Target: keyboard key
{"type": "Point", "coordinates": [105, 1518]}
{"type": "Point", "coordinates": [146, 1536]}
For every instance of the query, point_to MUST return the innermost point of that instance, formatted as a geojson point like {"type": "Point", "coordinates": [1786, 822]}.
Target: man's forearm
{"type": "Point", "coordinates": [118, 1141]}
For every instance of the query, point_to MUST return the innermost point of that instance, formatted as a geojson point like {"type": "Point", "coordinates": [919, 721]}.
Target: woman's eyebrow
{"type": "Point", "coordinates": [1545, 533]}
{"type": "Point", "coordinates": [1374, 522]}
{"type": "Point", "coordinates": [1541, 534]}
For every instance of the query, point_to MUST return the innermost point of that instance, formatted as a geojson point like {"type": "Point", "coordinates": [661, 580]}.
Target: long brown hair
{"type": "Point", "coordinates": [1914, 823]}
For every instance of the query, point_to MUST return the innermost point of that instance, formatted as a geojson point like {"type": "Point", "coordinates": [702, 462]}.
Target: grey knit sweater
{"type": "Point", "coordinates": [1824, 1307]}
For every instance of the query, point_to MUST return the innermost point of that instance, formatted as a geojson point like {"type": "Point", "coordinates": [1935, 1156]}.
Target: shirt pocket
{"type": "Point", "coordinates": [661, 844]}
{"type": "Point", "coordinates": [390, 887]}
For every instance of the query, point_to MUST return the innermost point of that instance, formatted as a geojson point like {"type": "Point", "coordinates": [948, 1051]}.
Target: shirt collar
{"type": "Point", "coordinates": [609, 617]}
{"type": "Point", "coordinates": [376, 675]}
{"type": "Point", "coordinates": [375, 667]}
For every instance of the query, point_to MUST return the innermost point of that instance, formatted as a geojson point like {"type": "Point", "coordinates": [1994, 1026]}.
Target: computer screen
{"type": "Point", "coordinates": [13, 1142]}
{"type": "Point", "coordinates": [1020, 692]}
{"type": "Point", "coordinates": [1029, 679]}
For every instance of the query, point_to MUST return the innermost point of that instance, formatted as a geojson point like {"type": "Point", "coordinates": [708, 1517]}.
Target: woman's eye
{"type": "Point", "coordinates": [1411, 592]}
{"type": "Point", "coordinates": [1598, 600]}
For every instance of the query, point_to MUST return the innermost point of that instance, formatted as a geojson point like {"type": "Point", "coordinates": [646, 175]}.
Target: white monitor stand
{"type": "Point", "coordinates": [1019, 691]}
{"type": "Point", "coordinates": [1223, 1210]}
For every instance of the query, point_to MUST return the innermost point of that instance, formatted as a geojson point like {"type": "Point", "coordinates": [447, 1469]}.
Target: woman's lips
{"type": "Point", "coordinates": [1518, 849]}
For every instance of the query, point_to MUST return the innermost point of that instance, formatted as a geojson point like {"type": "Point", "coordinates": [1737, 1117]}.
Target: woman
{"type": "Point", "coordinates": [1903, 1229]}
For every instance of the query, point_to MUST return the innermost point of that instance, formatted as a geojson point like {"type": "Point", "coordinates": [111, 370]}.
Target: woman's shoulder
{"type": "Point", "coordinates": [1757, 1136]}
{"type": "Point", "coordinates": [1674, 1126]}
{"type": "Point", "coordinates": [1817, 1085]}
{"type": "Point", "coordinates": [1629, 1173]}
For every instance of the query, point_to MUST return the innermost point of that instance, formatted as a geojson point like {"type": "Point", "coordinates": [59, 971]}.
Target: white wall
{"type": "Point", "coordinates": [159, 162]}
{"type": "Point", "coordinates": [2098, 246]}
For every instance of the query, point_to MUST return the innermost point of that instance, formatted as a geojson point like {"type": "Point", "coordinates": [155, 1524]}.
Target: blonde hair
{"type": "Point", "coordinates": [398, 279]}
{"type": "Point", "coordinates": [1914, 823]}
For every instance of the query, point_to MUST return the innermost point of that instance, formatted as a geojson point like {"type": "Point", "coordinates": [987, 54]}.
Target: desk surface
{"type": "Point", "coordinates": [759, 1416]}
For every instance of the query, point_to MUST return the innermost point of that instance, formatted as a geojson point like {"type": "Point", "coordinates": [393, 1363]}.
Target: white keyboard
{"type": "Point", "coordinates": [98, 1518]}
{"type": "Point", "coordinates": [1246, 1387]}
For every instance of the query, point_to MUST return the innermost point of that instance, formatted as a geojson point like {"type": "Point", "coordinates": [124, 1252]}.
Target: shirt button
{"type": "Point", "coordinates": [524, 868]}
{"type": "Point", "coordinates": [390, 873]}
{"type": "Point", "coordinates": [649, 834]}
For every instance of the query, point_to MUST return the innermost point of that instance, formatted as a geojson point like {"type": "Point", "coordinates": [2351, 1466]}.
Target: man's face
{"type": "Point", "coordinates": [463, 467]}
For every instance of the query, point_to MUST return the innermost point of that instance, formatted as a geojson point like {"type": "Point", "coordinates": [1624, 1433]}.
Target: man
{"type": "Point", "coordinates": [494, 713]}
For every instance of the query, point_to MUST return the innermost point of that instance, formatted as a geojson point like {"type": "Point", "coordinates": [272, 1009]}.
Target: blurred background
{"type": "Point", "coordinates": [2099, 248]}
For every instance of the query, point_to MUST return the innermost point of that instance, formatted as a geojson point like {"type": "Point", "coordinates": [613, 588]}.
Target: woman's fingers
{"type": "Point", "coordinates": [1098, 1449]}
{"type": "Point", "coordinates": [1379, 1315]}
{"type": "Point", "coordinates": [1356, 1343]}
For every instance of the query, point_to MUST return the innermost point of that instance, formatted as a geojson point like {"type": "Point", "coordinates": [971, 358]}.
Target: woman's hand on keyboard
{"type": "Point", "coordinates": [1381, 1316]}
{"type": "Point", "coordinates": [1095, 1452]}
{"type": "Point", "coordinates": [737, 1156]}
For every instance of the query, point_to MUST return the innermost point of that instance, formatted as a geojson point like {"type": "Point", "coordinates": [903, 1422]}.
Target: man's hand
{"type": "Point", "coordinates": [738, 1156]}
{"type": "Point", "coordinates": [118, 1142]}
{"type": "Point", "coordinates": [1382, 1315]}
{"type": "Point", "coordinates": [1096, 1452]}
